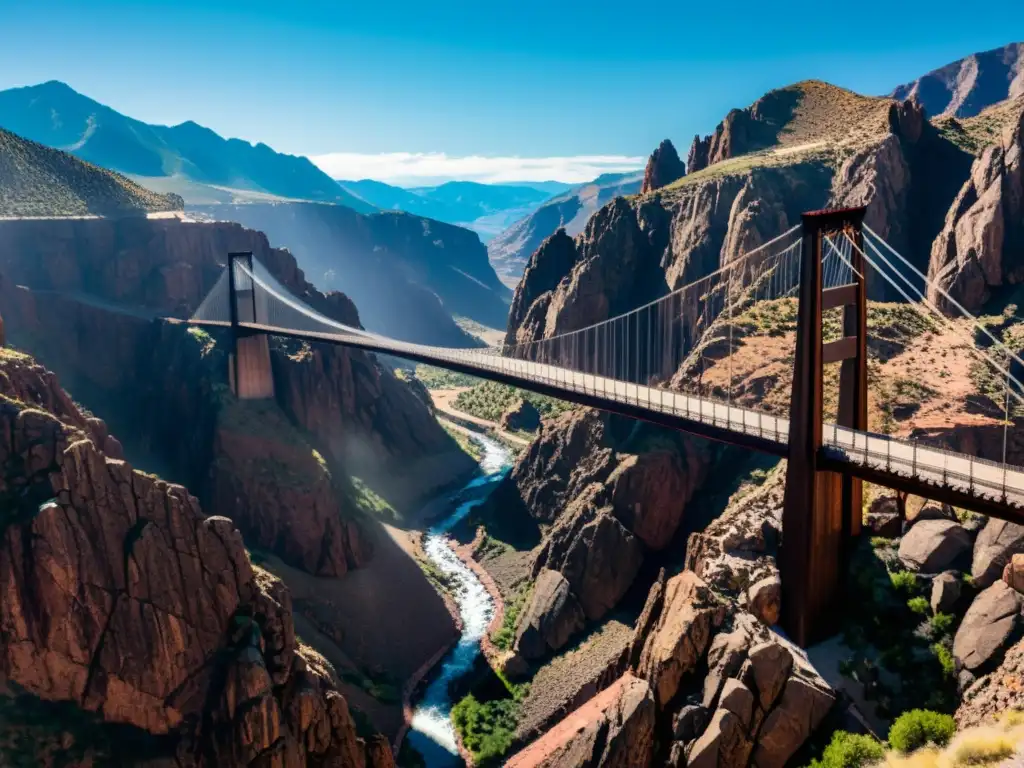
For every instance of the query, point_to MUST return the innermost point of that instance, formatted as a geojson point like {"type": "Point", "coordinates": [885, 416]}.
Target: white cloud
{"type": "Point", "coordinates": [431, 167]}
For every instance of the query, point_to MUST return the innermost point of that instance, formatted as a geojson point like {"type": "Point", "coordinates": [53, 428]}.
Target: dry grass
{"type": "Point", "coordinates": [980, 745]}
{"type": "Point", "coordinates": [973, 134]}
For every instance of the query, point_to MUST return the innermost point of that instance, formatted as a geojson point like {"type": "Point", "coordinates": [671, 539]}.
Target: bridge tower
{"type": "Point", "coordinates": [249, 367]}
{"type": "Point", "coordinates": [822, 511]}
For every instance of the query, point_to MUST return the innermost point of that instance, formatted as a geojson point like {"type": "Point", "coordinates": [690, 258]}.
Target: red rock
{"type": "Point", "coordinates": [663, 167]}
{"type": "Point", "coordinates": [120, 596]}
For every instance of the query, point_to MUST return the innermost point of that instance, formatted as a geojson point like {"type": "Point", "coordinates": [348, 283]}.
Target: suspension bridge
{"type": "Point", "coordinates": [676, 362]}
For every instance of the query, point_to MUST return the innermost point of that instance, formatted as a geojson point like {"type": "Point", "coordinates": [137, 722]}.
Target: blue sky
{"type": "Point", "coordinates": [474, 79]}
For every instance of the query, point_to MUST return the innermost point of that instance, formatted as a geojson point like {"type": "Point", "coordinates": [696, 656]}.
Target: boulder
{"type": "Point", "coordinates": [990, 624]}
{"type": "Point", "coordinates": [935, 512]}
{"type": "Point", "coordinates": [766, 670]}
{"type": "Point", "coordinates": [679, 638]}
{"type": "Point", "coordinates": [999, 691]}
{"type": "Point", "coordinates": [801, 708]}
{"type": "Point", "coordinates": [1013, 573]}
{"type": "Point", "coordinates": [520, 416]}
{"type": "Point", "coordinates": [764, 599]}
{"type": "Point", "coordinates": [738, 699]}
{"type": "Point", "coordinates": [689, 722]}
{"type": "Point", "coordinates": [931, 546]}
{"type": "Point", "coordinates": [996, 544]}
{"type": "Point", "coordinates": [883, 517]}
{"type": "Point", "coordinates": [945, 592]}
{"type": "Point", "coordinates": [724, 744]}
{"type": "Point", "coordinates": [550, 619]}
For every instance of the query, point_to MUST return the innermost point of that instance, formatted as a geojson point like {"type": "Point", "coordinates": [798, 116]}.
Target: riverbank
{"type": "Point", "coordinates": [443, 408]}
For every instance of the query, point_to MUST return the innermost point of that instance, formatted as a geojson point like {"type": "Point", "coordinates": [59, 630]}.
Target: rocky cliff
{"type": "Point", "coordinates": [979, 248]}
{"type": "Point", "coordinates": [93, 289]}
{"type": "Point", "coordinates": [408, 275]}
{"type": "Point", "coordinates": [123, 602]}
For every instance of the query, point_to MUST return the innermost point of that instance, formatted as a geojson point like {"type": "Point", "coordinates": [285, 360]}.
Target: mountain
{"type": "Point", "coordinates": [965, 87]}
{"type": "Point", "coordinates": [485, 208]}
{"type": "Point", "coordinates": [410, 276]}
{"type": "Point", "coordinates": [38, 181]}
{"type": "Point", "coordinates": [510, 250]}
{"type": "Point", "coordinates": [187, 158]}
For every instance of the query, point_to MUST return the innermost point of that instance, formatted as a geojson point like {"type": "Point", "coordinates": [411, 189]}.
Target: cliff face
{"type": "Point", "coordinates": [123, 600]}
{"type": "Point", "coordinates": [980, 246]}
{"type": "Point", "coordinates": [93, 289]}
{"type": "Point", "coordinates": [408, 275]}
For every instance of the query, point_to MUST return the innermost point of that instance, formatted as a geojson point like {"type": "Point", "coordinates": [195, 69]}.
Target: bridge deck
{"type": "Point", "coordinates": [966, 481]}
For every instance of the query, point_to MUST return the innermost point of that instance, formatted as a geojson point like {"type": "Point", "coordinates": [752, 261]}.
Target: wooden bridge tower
{"type": "Point", "coordinates": [249, 368]}
{"type": "Point", "coordinates": [822, 512]}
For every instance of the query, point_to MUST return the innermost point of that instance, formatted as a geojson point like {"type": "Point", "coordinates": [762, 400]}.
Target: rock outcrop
{"type": "Point", "coordinates": [995, 545]}
{"type": "Point", "coordinates": [663, 167]}
{"type": "Point", "coordinates": [607, 494]}
{"type": "Point", "coordinates": [520, 416]}
{"type": "Point", "coordinates": [977, 250]}
{"type": "Point", "coordinates": [122, 599]}
{"type": "Point", "coordinates": [551, 618]}
{"type": "Point", "coordinates": [757, 701]}
{"type": "Point", "coordinates": [998, 692]}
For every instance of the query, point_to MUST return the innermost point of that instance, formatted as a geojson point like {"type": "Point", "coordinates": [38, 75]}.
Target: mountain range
{"type": "Point", "coordinates": [487, 209]}
{"type": "Point", "coordinates": [186, 159]}
{"type": "Point", "coordinates": [510, 250]}
{"type": "Point", "coordinates": [966, 86]}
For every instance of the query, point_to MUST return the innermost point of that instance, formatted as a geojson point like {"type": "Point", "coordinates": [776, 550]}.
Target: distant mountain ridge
{"type": "Point", "coordinates": [965, 87]}
{"type": "Point", "coordinates": [56, 115]}
{"type": "Point", "coordinates": [36, 180]}
{"type": "Point", "coordinates": [510, 250]}
{"type": "Point", "coordinates": [485, 208]}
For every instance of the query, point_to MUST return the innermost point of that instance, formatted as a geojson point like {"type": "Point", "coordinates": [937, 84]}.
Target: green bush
{"type": "Point", "coordinates": [945, 658]}
{"type": "Point", "coordinates": [849, 750]}
{"type": "Point", "coordinates": [904, 581]}
{"type": "Point", "coordinates": [486, 728]}
{"type": "Point", "coordinates": [942, 624]}
{"type": "Point", "coordinates": [918, 605]}
{"type": "Point", "coordinates": [918, 727]}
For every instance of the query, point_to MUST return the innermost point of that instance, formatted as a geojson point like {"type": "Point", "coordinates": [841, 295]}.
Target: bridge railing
{"type": "Point", "coordinates": [937, 466]}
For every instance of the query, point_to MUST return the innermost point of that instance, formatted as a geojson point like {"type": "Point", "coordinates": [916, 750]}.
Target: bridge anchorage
{"type": "Point", "coordinates": [689, 361]}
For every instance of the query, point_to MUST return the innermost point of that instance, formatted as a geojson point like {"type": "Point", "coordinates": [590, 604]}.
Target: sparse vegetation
{"type": "Point", "coordinates": [40, 181]}
{"type": "Point", "coordinates": [504, 637]}
{"type": "Point", "coordinates": [379, 685]}
{"type": "Point", "coordinates": [490, 399]}
{"type": "Point", "coordinates": [368, 500]}
{"type": "Point", "coordinates": [466, 443]}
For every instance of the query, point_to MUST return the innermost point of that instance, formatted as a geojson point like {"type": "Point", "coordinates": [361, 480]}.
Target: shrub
{"type": "Point", "coordinates": [849, 750]}
{"type": "Point", "coordinates": [918, 605]}
{"type": "Point", "coordinates": [918, 727]}
{"type": "Point", "coordinates": [903, 581]}
{"type": "Point", "coordinates": [945, 657]}
{"type": "Point", "coordinates": [942, 624]}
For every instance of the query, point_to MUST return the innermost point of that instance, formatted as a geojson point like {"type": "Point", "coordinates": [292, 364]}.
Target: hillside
{"type": "Point", "coordinates": [510, 250]}
{"type": "Point", "coordinates": [485, 208]}
{"type": "Point", "coordinates": [38, 181]}
{"type": "Point", "coordinates": [965, 87]}
{"type": "Point", "coordinates": [182, 156]}
{"type": "Point", "coordinates": [410, 276]}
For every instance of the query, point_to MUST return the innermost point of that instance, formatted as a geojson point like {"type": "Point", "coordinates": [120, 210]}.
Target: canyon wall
{"type": "Point", "coordinates": [139, 615]}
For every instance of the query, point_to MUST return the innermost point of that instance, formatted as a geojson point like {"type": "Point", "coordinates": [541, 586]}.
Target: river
{"type": "Point", "coordinates": [431, 732]}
